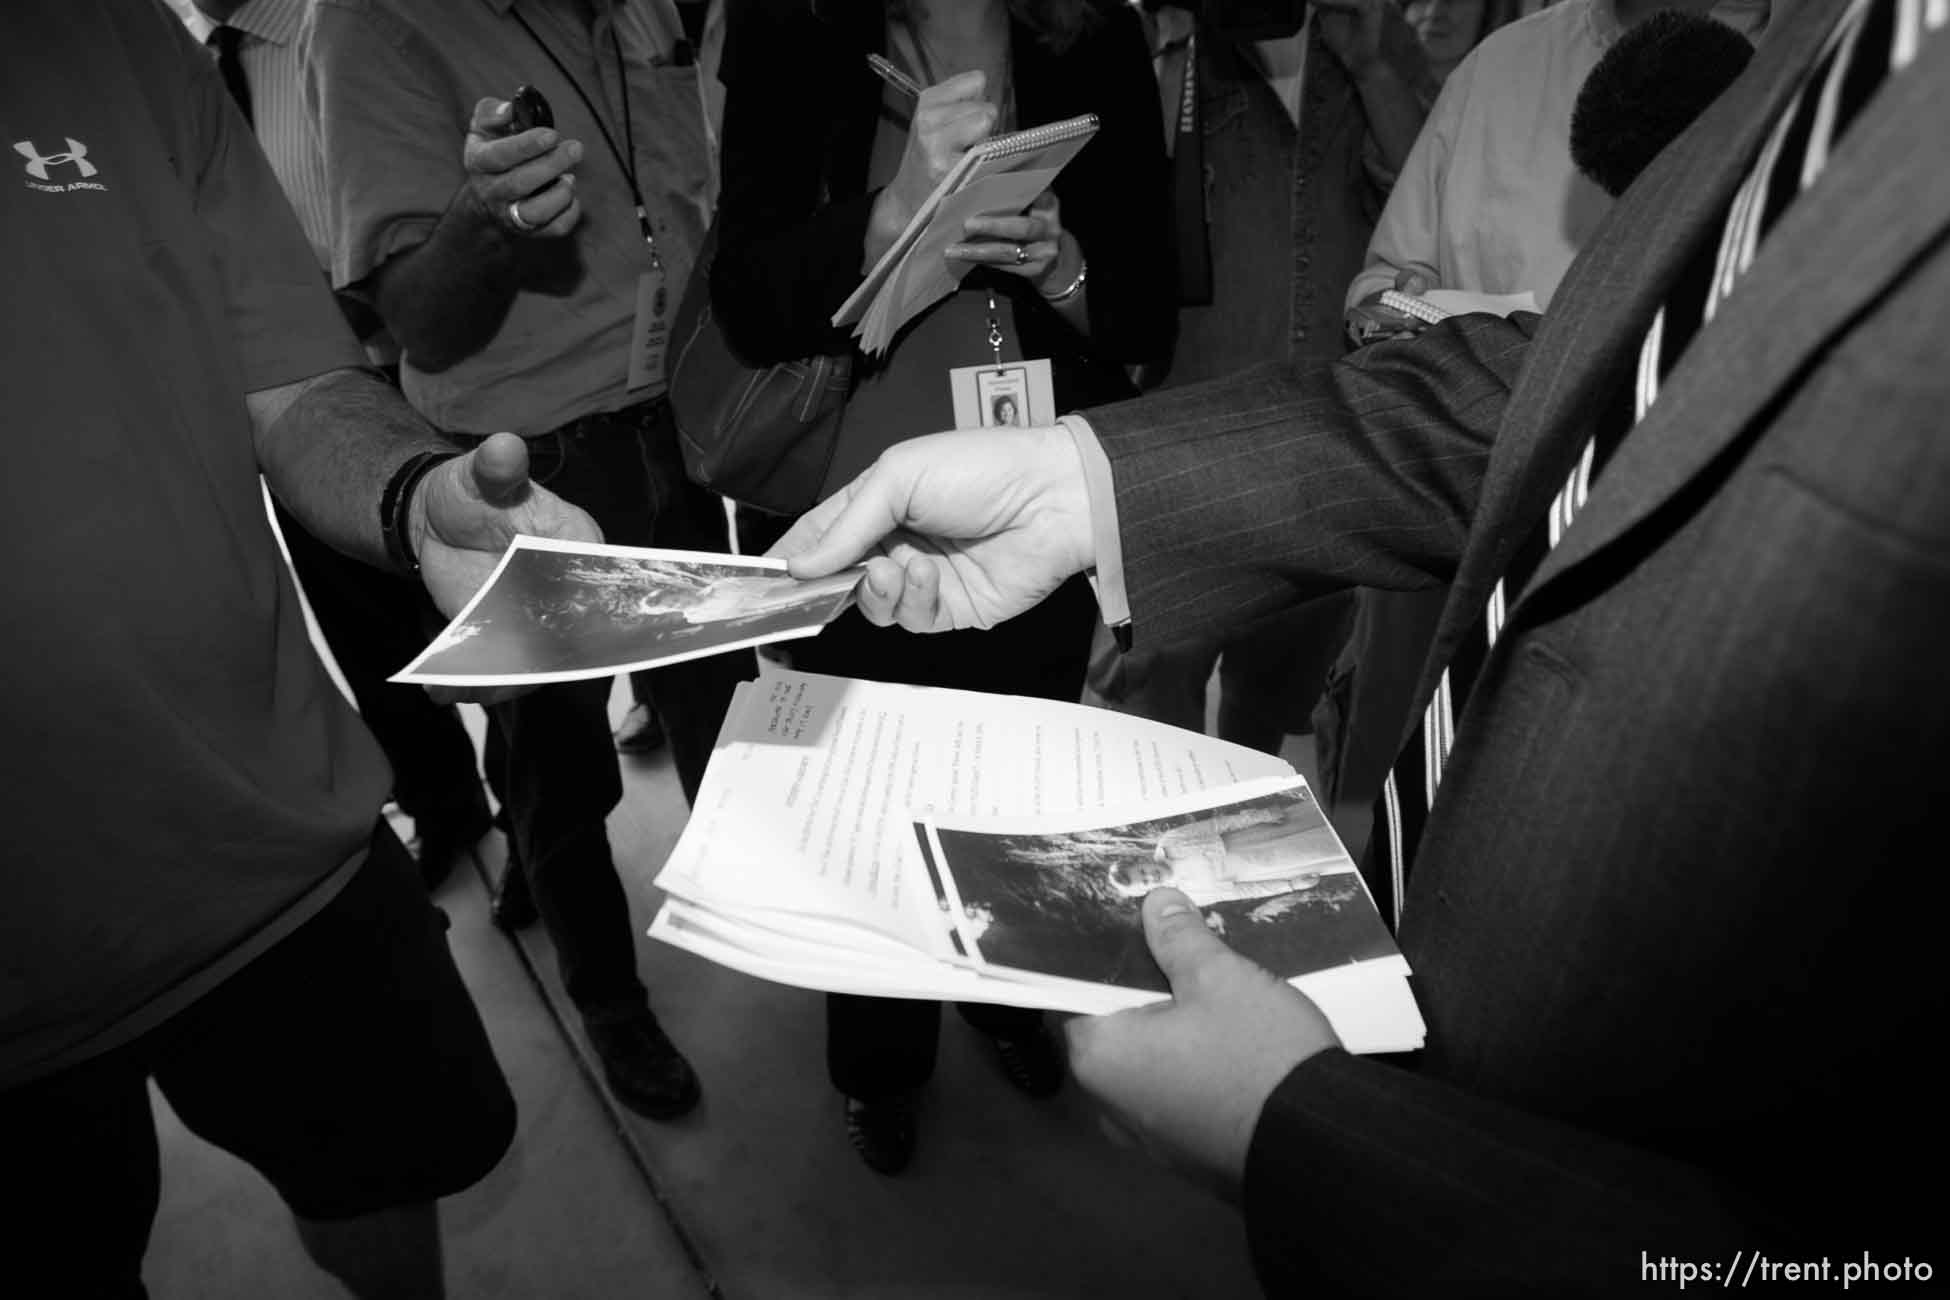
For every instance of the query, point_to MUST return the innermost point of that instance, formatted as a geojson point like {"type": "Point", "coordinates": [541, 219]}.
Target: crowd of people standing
{"type": "Point", "coordinates": [1590, 564]}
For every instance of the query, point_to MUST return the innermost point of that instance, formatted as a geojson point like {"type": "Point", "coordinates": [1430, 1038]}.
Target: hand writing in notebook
{"type": "Point", "coordinates": [1031, 244]}
{"type": "Point", "coordinates": [948, 119]}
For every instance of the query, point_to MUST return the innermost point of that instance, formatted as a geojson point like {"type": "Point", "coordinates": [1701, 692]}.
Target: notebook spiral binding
{"type": "Point", "coordinates": [1410, 305]}
{"type": "Point", "coordinates": [1038, 137]}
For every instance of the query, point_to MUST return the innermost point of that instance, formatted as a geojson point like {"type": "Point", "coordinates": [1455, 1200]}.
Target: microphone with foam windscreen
{"type": "Point", "coordinates": [1654, 81]}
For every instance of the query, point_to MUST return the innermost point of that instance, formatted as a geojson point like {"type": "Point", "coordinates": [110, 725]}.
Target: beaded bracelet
{"type": "Point", "coordinates": [394, 503]}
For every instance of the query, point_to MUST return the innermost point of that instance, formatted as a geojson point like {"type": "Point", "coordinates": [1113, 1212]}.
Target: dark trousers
{"type": "Point", "coordinates": [882, 1047]}
{"type": "Point", "coordinates": [1270, 675]}
{"type": "Point", "coordinates": [559, 768]}
{"type": "Point", "coordinates": [346, 1064]}
{"type": "Point", "coordinates": [374, 623]}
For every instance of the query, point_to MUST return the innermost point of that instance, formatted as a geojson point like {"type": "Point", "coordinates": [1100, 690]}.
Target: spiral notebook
{"type": "Point", "coordinates": [1003, 174]}
{"type": "Point", "coordinates": [1441, 304]}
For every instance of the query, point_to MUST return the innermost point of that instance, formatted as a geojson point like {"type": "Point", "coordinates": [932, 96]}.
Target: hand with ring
{"type": "Point", "coordinates": [521, 183]}
{"type": "Point", "coordinates": [1033, 245]}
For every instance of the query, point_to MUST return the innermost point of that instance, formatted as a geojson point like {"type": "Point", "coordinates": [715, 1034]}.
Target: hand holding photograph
{"type": "Point", "coordinates": [919, 842]}
{"type": "Point", "coordinates": [562, 611]}
{"type": "Point", "coordinates": [1060, 898]}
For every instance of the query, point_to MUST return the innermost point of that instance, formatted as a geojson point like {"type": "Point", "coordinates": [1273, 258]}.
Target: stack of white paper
{"type": "Point", "coordinates": [901, 841]}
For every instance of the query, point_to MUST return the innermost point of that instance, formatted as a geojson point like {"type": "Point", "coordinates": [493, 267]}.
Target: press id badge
{"type": "Point", "coordinates": [1003, 394]}
{"type": "Point", "coordinates": [650, 335]}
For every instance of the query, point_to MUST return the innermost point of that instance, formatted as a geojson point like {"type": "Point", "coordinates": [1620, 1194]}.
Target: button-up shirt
{"type": "Point", "coordinates": [269, 54]}
{"type": "Point", "coordinates": [392, 85]}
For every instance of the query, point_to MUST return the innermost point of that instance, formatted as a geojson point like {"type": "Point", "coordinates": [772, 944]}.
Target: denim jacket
{"type": "Point", "coordinates": [1275, 197]}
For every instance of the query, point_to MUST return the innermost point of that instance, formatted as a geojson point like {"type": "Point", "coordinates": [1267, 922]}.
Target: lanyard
{"type": "Point", "coordinates": [625, 157]}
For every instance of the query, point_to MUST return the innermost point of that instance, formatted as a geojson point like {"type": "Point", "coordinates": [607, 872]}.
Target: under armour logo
{"type": "Point", "coordinates": [38, 162]}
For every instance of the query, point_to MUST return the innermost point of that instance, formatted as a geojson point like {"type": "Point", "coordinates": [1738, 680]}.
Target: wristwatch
{"type": "Point", "coordinates": [394, 504]}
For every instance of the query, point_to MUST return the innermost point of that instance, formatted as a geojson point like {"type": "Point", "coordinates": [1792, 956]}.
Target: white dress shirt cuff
{"type": "Point", "coordinates": [1107, 579]}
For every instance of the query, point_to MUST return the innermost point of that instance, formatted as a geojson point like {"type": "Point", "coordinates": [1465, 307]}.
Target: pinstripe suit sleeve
{"type": "Point", "coordinates": [1367, 1179]}
{"type": "Point", "coordinates": [1263, 489]}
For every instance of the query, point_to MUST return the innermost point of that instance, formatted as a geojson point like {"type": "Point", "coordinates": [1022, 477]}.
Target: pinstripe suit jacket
{"type": "Point", "coordinates": [1672, 919]}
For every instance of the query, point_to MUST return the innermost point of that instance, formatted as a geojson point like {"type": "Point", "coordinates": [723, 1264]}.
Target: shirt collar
{"type": "Point", "coordinates": [276, 21]}
{"type": "Point", "coordinates": [1603, 21]}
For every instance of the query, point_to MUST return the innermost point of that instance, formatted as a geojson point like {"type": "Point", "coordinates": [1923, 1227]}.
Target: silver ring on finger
{"type": "Point", "coordinates": [1021, 256]}
{"type": "Point", "coordinates": [514, 218]}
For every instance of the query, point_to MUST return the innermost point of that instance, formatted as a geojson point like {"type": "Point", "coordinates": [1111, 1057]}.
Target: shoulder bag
{"type": "Point", "coordinates": [762, 435]}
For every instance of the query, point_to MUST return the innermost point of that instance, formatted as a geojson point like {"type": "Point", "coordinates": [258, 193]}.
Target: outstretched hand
{"type": "Point", "coordinates": [1188, 1078]}
{"type": "Point", "coordinates": [468, 510]}
{"type": "Point", "coordinates": [958, 530]}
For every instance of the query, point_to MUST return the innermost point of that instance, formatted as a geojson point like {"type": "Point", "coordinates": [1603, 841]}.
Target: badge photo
{"type": "Point", "coordinates": [1014, 394]}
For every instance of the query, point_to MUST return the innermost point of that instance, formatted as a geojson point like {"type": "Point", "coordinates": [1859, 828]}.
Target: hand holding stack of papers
{"type": "Point", "coordinates": [904, 841]}
{"type": "Point", "coordinates": [1003, 174]}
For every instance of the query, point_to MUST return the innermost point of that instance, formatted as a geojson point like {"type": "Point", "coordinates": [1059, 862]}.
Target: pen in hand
{"type": "Point", "coordinates": [893, 76]}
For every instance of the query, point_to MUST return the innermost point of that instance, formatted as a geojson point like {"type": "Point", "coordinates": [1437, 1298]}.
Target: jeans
{"type": "Point", "coordinates": [559, 773]}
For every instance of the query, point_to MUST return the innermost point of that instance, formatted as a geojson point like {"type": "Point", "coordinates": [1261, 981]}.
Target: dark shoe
{"type": "Point", "coordinates": [1033, 1063]}
{"type": "Point", "coordinates": [882, 1131]}
{"type": "Point", "coordinates": [640, 733]}
{"type": "Point", "coordinates": [644, 1068]}
{"type": "Point", "coordinates": [513, 907]}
